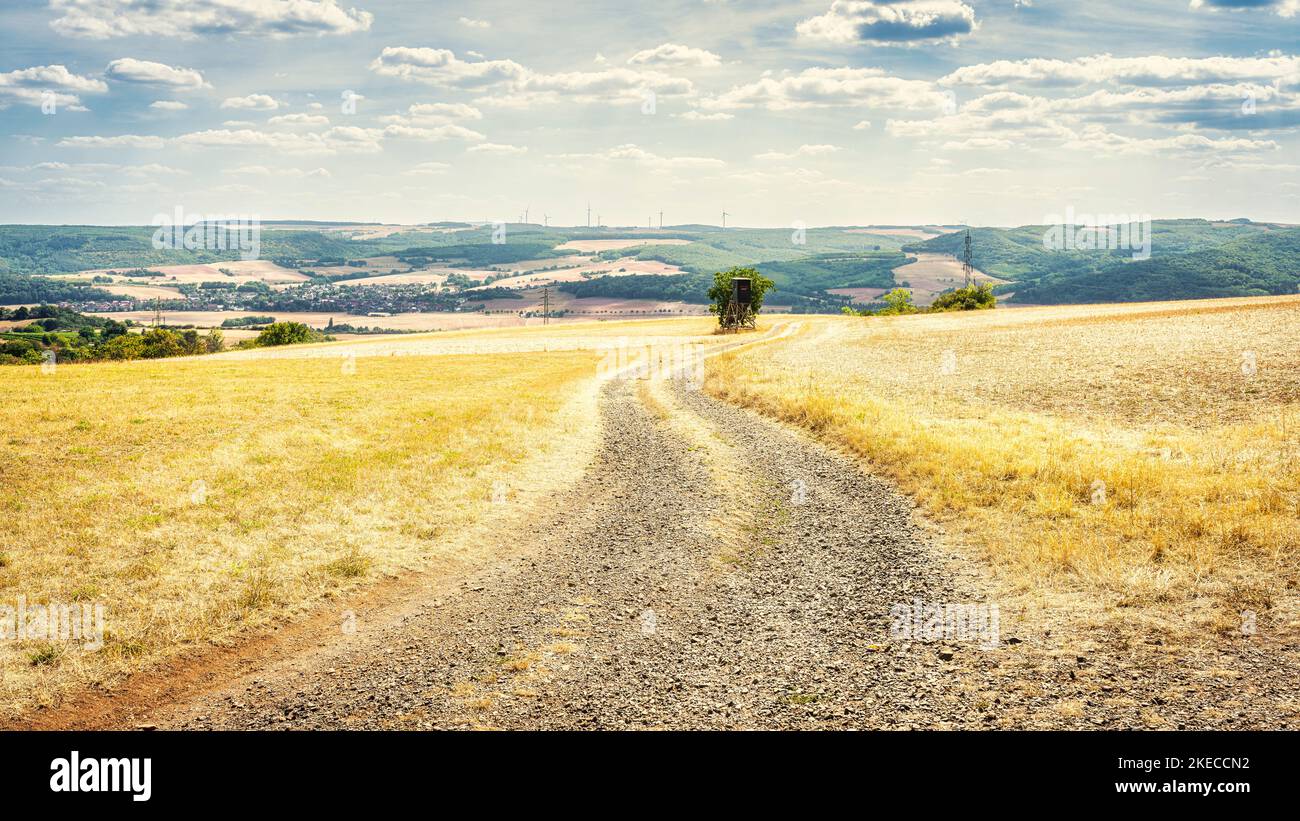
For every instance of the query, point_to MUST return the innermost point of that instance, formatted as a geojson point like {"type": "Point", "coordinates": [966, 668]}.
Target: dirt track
{"type": "Point", "coordinates": [712, 570]}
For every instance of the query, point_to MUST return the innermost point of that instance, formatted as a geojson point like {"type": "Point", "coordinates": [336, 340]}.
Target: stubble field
{"type": "Point", "coordinates": [1123, 463]}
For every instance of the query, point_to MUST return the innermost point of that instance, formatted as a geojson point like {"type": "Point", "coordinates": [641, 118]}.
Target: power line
{"type": "Point", "coordinates": [966, 267]}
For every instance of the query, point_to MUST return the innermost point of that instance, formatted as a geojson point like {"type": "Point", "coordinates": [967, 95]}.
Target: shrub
{"type": "Point", "coordinates": [897, 301]}
{"type": "Point", "coordinates": [287, 333]}
{"type": "Point", "coordinates": [974, 298]}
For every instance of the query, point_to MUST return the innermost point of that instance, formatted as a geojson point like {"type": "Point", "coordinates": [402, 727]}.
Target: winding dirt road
{"type": "Point", "coordinates": [713, 569]}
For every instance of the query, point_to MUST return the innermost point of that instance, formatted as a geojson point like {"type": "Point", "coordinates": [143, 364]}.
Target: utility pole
{"type": "Point", "coordinates": [966, 267]}
{"type": "Point", "coordinates": [546, 305]}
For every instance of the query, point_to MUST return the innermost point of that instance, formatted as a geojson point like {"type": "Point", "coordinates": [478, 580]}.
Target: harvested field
{"type": "Point", "coordinates": [932, 274]}
{"type": "Point", "coordinates": [1144, 459]}
{"type": "Point", "coordinates": [858, 294]}
{"type": "Point", "coordinates": [142, 291]}
{"type": "Point", "coordinates": [253, 270]}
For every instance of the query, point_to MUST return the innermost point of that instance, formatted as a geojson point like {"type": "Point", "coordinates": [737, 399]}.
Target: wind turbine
{"type": "Point", "coordinates": [588, 213]}
{"type": "Point", "coordinates": [546, 220]}
{"type": "Point", "coordinates": [724, 220]}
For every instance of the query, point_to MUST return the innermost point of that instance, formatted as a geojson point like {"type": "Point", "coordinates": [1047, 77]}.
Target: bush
{"type": "Point", "coordinates": [974, 298]}
{"type": "Point", "coordinates": [287, 333]}
{"type": "Point", "coordinates": [897, 301]}
{"type": "Point", "coordinates": [125, 346]}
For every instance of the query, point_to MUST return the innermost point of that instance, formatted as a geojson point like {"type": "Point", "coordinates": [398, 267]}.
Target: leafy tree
{"type": "Point", "coordinates": [897, 301]}
{"type": "Point", "coordinates": [974, 298]}
{"type": "Point", "coordinates": [214, 341]}
{"type": "Point", "coordinates": [126, 346]}
{"type": "Point", "coordinates": [720, 293]}
{"type": "Point", "coordinates": [160, 342]}
{"type": "Point", "coordinates": [114, 328]}
{"type": "Point", "coordinates": [287, 333]}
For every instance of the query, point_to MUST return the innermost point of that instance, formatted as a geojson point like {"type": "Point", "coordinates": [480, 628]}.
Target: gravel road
{"type": "Point", "coordinates": [712, 570]}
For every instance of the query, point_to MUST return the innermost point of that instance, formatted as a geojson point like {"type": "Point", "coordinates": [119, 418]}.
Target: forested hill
{"type": "Point", "coordinates": [1190, 259]}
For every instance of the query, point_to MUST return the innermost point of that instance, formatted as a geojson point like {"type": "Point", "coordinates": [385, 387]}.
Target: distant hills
{"type": "Point", "coordinates": [1189, 258]}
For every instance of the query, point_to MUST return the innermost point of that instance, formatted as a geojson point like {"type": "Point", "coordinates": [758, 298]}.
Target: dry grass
{"type": "Point", "coordinates": [195, 499]}
{"type": "Point", "coordinates": [1118, 451]}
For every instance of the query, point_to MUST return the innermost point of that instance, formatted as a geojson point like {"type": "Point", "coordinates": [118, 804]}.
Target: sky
{"type": "Point", "coordinates": [825, 112]}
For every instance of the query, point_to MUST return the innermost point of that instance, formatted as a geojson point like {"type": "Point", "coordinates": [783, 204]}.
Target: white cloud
{"type": "Point", "coordinates": [1151, 70]}
{"type": "Point", "coordinates": [671, 55]}
{"type": "Point", "coordinates": [496, 148]}
{"type": "Point", "coordinates": [470, 22]}
{"type": "Point", "coordinates": [293, 173]}
{"type": "Point", "coordinates": [437, 114]}
{"type": "Point", "coordinates": [891, 22]}
{"type": "Point", "coordinates": [511, 84]}
{"type": "Point", "coordinates": [346, 139]}
{"type": "Point", "coordinates": [1283, 8]}
{"type": "Point", "coordinates": [147, 72]}
{"type": "Point", "coordinates": [831, 87]}
{"type": "Point", "coordinates": [1005, 120]}
{"type": "Point", "coordinates": [103, 19]}
{"type": "Point", "coordinates": [428, 168]}
{"type": "Point", "coordinates": [630, 152]}
{"type": "Point", "coordinates": [94, 168]}
{"type": "Point", "coordinates": [440, 66]}
{"type": "Point", "coordinates": [1098, 140]}
{"type": "Point", "coordinates": [299, 120]}
{"type": "Point", "coordinates": [801, 151]}
{"type": "Point", "coordinates": [252, 102]}
{"type": "Point", "coordinates": [119, 141]}
{"type": "Point", "coordinates": [168, 105]}
{"type": "Point", "coordinates": [34, 85]}
{"type": "Point", "coordinates": [862, 125]}
{"type": "Point", "coordinates": [432, 134]}
{"type": "Point", "coordinates": [699, 116]}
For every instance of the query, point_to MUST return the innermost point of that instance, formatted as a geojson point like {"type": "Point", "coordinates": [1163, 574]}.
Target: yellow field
{"type": "Point", "coordinates": [198, 498]}
{"type": "Point", "coordinates": [1123, 455]}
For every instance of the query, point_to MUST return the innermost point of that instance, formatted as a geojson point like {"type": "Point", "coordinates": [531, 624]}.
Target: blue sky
{"type": "Point", "coordinates": [821, 112]}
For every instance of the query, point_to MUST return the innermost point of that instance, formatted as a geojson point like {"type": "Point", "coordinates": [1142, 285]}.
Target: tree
{"type": "Point", "coordinates": [974, 298]}
{"type": "Point", "coordinates": [160, 342]}
{"type": "Point", "coordinates": [114, 328]}
{"type": "Point", "coordinates": [125, 346]}
{"type": "Point", "coordinates": [720, 293]}
{"type": "Point", "coordinates": [287, 333]}
{"type": "Point", "coordinates": [214, 341]}
{"type": "Point", "coordinates": [897, 301]}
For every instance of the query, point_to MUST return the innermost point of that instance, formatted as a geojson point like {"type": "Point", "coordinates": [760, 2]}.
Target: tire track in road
{"type": "Point", "coordinates": [655, 594]}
